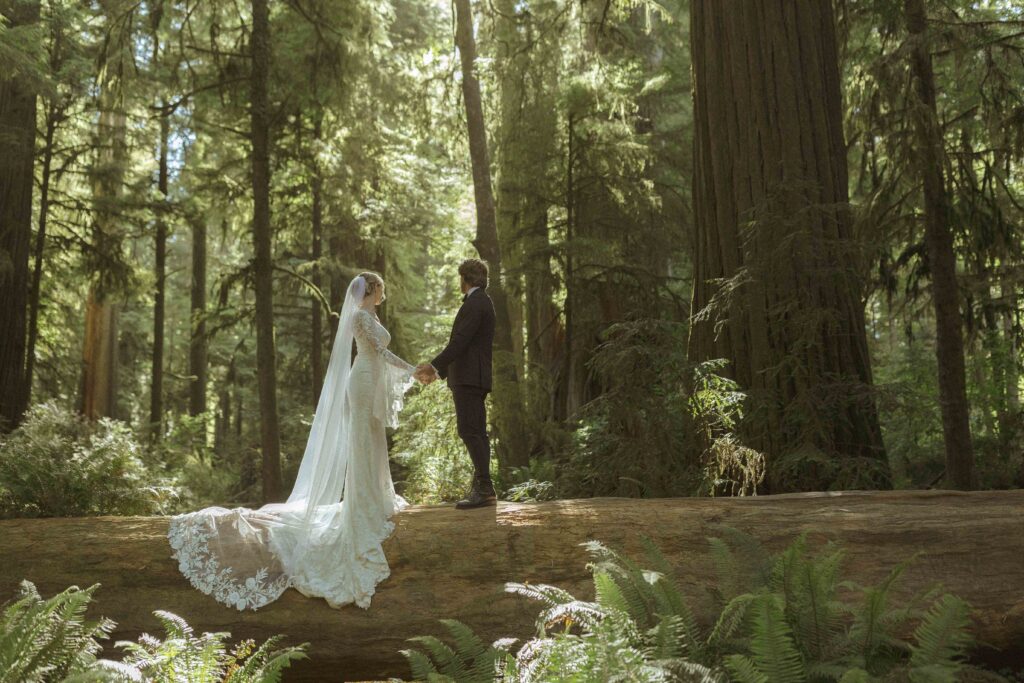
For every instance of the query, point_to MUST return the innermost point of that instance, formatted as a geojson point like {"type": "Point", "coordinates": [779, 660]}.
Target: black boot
{"type": "Point", "coordinates": [481, 495]}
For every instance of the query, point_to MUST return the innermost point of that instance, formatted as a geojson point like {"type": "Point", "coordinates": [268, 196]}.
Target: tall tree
{"type": "Point", "coordinates": [17, 139]}
{"type": "Point", "coordinates": [99, 362]}
{"type": "Point", "coordinates": [775, 262]}
{"type": "Point", "coordinates": [316, 254]}
{"type": "Point", "coordinates": [527, 52]}
{"type": "Point", "coordinates": [508, 418]}
{"type": "Point", "coordinates": [197, 329]}
{"type": "Point", "coordinates": [156, 393]}
{"type": "Point", "coordinates": [949, 343]}
{"type": "Point", "coordinates": [266, 364]}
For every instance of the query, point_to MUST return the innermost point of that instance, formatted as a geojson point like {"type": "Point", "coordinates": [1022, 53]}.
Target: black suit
{"type": "Point", "coordinates": [466, 365]}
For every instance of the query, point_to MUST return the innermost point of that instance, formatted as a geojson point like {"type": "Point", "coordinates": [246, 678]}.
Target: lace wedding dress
{"type": "Point", "coordinates": [325, 541]}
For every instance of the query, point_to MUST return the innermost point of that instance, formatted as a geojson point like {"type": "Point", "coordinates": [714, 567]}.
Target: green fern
{"type": "Point", "coordinates": [50, 639]}
{"type": "Point", "coordinates": [782, 624]}
{"type": "Point", "coordinates": [774, 652]}
{"type": "Point", "coordinates": [941, 638]}
{"type": "Point", "coordinates": [808, 586]}
{"type": "Point", "coordinates": [182, 655]}
{"type": "Point", "coordinates": [471, 660]}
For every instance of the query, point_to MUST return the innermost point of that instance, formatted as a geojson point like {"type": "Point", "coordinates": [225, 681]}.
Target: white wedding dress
{"type": "Point", "coordinates": [325, 541]}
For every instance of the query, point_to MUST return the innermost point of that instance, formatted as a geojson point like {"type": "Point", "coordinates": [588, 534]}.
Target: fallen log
{"type": "Point", "coordinates": [454, 563]}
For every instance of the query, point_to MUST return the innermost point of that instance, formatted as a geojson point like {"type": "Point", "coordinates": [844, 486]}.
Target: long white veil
{"type": "Point", "coordinates": [247, 558]}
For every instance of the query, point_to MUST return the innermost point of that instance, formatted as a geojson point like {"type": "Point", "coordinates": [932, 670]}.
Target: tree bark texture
{"type": "Point", "coordinates": [777, 273]}
{"type": "Point", "coordinates": [970, 541]}
{"type": "Point", "coordinates": [266, 362]}
{"type": "Point", "coordinates": [17, 142]}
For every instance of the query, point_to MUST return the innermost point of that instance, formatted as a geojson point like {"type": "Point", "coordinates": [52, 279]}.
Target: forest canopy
{"type": "Point", "coordinates": [727, 258]}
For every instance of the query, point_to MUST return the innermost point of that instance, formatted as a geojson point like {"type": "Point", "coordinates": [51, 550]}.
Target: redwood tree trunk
{"type": "Point", "coordinates": [771, 214]}
{"type": "Point", "coordinates": [507, 417]}
{"type": "Point", "coordinates": [949, 343]}
{"type": "Point", "coordinates": [266, 366]}
{"type": "Point", "coordinates": [433, 577]}
{"type": "Point", "coordinates": [17, 141]}
{"type": "Point", "coordinates": [99, 366]}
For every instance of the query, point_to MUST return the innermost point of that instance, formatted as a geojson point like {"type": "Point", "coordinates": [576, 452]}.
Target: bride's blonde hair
{"type": "Point", "coordinates": [373, 281]}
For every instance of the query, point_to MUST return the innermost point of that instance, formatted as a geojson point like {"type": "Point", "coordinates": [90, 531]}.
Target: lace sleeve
{"type": "Point", "coordinates": [397, 379]}
{"type": "Point", "coordinates": [365, 328]}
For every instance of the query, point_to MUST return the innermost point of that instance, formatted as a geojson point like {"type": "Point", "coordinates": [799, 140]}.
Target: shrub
{"type": "Point", "coordinates": [59, 464]}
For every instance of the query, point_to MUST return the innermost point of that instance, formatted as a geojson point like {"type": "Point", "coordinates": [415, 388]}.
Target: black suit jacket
{"type": "Point", "coordinates": [466, 361]}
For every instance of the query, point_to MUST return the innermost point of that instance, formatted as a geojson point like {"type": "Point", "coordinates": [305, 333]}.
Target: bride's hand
{"type": "Point", "coordinates": [424, 373]}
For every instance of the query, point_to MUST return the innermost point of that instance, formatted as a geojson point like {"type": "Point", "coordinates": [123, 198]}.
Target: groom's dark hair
{"type": "Point", "coordinates": [474, 271]}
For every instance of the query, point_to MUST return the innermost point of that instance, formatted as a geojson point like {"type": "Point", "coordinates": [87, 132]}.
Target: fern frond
{"type": "Point", "coordinates": [730, 620]}
{"type": "Point", "coordinates": [942, 636]}
{"type": "Point", "coordinates": [421, 665]}
{"type": "Point", "coordinates": [743, 670]}
{"type": "Point", "coordinates": [771, 642]}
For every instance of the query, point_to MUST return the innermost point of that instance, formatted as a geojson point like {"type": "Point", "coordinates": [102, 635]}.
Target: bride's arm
{"type": "Point", "coordinates": [364, 327]}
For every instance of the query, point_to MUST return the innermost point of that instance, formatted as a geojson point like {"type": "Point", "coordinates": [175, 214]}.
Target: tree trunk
{"type": "Point", "coordinates": [949, 342]}
{"type": "Point", "coordinates": [37, 269]}
{"type": "Point", "coordinates": [99, 356]}
{"type": "Point", "coordinates": [507, 416]}
{"type": "Point", "coordinates": [156, 392]}
{"type": "Point", "coordinates": [17, 140]}
{"type": "Point", "coordinates": [99, 363]}
{"type": "Point", "coordinates": [316, 343]}
{"type": "Point", "coordinates": [197, 339]}
{"type": "Point", "coordinates": [772, 214]}
{"type": "Point", "coordinates": [266, 366]}
{"type": "Point", "coordinates": [432, 577]}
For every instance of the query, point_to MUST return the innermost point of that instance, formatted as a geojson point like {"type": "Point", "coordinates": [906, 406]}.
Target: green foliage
{"type": "Point", "coordinates": [469, 661]}
{"type": "Point", "coordinates": [779, 621]}
{"type": "Point", "coordinates": [50, 640]}
{"type": "Point", "coordinates": [661, 426]}
{"type": "Point", "coordinates": [205, 658]}
{"type": "Point", "coordinates": [59, 464]}
{"type": "Point", "coordinates": [436, 466]}
{"type": "Point", "coordinates": [533, 483]}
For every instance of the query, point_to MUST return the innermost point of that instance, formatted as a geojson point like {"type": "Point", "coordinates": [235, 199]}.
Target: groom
{"type": "Point", "coordinates": [466, 364]}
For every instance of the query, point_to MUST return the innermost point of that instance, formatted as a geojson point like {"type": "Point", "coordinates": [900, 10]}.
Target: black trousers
{"type": "Point", "coordinates": [471, 418]}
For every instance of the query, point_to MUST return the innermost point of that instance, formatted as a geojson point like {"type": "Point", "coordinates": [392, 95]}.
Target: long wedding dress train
{"type": "Point", "coordinates": [325, 541]}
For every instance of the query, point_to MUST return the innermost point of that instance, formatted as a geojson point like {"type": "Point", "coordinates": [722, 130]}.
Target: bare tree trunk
{"type": "Point", "coordinates": [772, 214]}
{"type": "Point", "coordinates": [266, 365]}
{"type": "Point", "coordinates": [17, 140]}
{"type": "Point", "coordinates": [99, 375]}
{"type": "Point", "coordinates": [99, 351]}
{"type": "Point", "coordinates": [198, 366]}
{"type": "Point", "coordinates": [508, 405]}
{"type": "Point", "coordinates": [52, 117]}
{"type": "Point", "coordinates": [316, 322]}
{"type": "Point", "coordinates": [156, 393]}
{"type": "Point", "coordinates": [938, 239]}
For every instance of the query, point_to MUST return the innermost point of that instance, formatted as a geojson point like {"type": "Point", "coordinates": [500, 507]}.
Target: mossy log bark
{"type": "Point", "coordinates": [454, 563]}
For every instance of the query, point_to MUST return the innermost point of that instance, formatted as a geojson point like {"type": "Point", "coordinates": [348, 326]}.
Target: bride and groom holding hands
{"type": "Point", "coordinates": [466, 365]}
{"type": "Point", "coordinates": [325, 540]}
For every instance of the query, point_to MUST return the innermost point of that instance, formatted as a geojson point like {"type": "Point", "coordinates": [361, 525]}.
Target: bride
{"type": "Point", "coordinates": [325, 541]}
